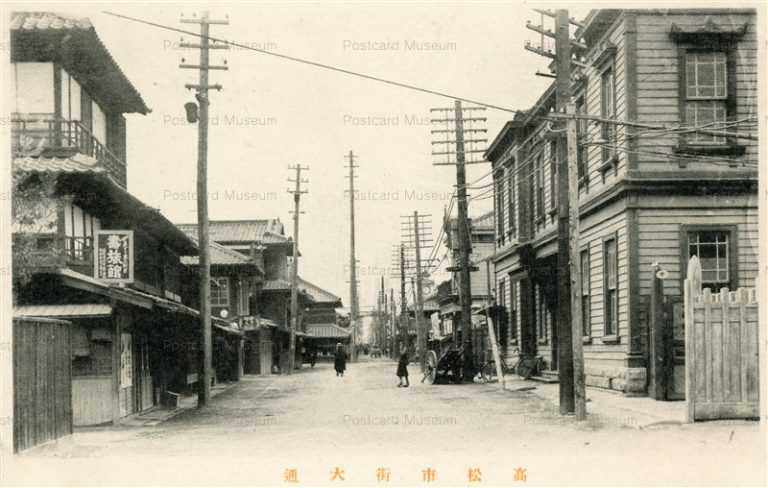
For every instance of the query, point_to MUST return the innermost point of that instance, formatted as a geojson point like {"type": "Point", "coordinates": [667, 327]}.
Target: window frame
{"type": "Point", "coordinates": [729, 146]}
{"type": "Point", "coordinates": [586, 294]}
{"type": "Point", "coordinates": [553, 169]}
{"type": "Point", "coordinates": [610, 334]}
{"type": "Point", "coordinates": [733, 258]}
{"type": "Point", "coordinates": [511, 203]}
{"type": "Point", "coordinates": [582, 134]}
{"type": "Point", "coordinates": [512, 322]}
{"type": "Point", "coordinates": [499, 176]}
{"type": "Point", "coordinates": [539, 186]}
{"type": "Point", "coordinates": [608, 155]}
{"type": "Point", "coordinates": [219, 303]}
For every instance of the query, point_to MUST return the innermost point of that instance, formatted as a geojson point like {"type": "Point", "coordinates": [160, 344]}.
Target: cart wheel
{"type": "Point", "coordinates": [431, 372]}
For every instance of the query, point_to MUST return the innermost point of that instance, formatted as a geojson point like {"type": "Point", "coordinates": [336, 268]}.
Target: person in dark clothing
{"type": "Point", "coordinates": [402, 371]}
{"type": "Point", "coordinates": [340, 360]}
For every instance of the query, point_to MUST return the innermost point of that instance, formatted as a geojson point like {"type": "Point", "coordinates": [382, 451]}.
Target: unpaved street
{"type": "Point", "coordinates": [315, 422]}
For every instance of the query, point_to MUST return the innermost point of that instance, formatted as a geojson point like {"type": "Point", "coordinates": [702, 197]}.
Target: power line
{"type": "Point", "coordinates": [315, 63]}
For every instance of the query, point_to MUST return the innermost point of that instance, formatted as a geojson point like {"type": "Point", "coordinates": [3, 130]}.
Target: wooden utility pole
{"type": "Point", "coordinates": [403, 329]}
{"type": "Point", "coordinates": [297, 192]}
{"type": "Point", "coordinates": [577, 330]}
{"type": "Point", "coordinates": [569, 331]}
{"type": "Point", "coordinates": [458, 158]}
{"type": "Point", "coordinates": [354, 310]}
{"type": "Point", "coordinates": [490, 309]}
{"type": "Point", "coordinates": [392, 324]}
{"type": "Point", "coordinates": [564, 335]}
{"type": "Point", "coordinates": [421, 333]}
{"type": "Point", "coordinates": [205, 368]}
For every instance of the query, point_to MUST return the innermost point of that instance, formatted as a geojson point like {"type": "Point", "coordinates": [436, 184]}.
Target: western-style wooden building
{"type": "Point", "coordinates": [647, 198]}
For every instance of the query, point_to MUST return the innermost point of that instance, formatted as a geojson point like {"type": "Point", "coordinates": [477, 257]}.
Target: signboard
{"type": "Point", "coordinates": [113, 259]}
{"type": "Point", "coordinates": [126, 361]}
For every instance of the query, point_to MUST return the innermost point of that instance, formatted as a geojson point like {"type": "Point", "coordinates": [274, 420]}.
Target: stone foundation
{"type": "Point", "coordinates": [630, 381]}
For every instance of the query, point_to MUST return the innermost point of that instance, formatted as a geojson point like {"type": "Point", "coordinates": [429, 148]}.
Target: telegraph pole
{"type": "Point", "coordinates": [569, 345]}
{"type": "Point", "coordinates": [297, 192]}
{"type": "Point", "coordinates": [205, 366]}
{"type": "Point", "coordinates": [417, 233]}
{"type": "Point", "coordinates": [392, 322]}
{"type": "Point", "coordinates": [354, 312]}
{"type": "Point", "coordinates": [465, 247]}
{"type": "Point", "coordinates": [403, 329]}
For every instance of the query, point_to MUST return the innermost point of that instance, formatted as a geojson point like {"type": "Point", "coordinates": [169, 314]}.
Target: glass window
{"type": "Point", "coordinates": [706, 92]}
{"type": "Point", "coordinates": [220, 292]}
{"type": "Point", "coordinates": [610, 272]}
{"type": "Point", "coordinates": [608, 110]}
{"type": "Point", "coordinates": [585, 291]}
{"type": "Point", "coordinates": [712, 249]}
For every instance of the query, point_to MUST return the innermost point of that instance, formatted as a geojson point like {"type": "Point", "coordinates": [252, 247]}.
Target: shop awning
{"type": "Point", "coordinates": [64, 311]}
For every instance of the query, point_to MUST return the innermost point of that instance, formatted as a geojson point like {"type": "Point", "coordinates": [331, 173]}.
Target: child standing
{"type": "Point", "coordinates": [402, 370]}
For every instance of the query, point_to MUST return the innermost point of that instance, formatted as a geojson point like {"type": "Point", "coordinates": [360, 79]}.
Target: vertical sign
{"type": "Point", "coordinates": [126, 361]}
{"type": "Point", "coordinates": [114, 256]}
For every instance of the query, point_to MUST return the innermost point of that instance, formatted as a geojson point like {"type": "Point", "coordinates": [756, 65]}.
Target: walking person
{"type": "Point", "coordinates": [402, 370]}
{"type": "Point", "coordinates": [340, 360]}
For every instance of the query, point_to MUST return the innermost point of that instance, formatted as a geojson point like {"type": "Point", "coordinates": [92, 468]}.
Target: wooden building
{"type": "Point", "coordinates": [646, 197]}
{"type": "Point", "coordinates": [129, 336]}
{"type": "Point", "coordinates": [266, 329]}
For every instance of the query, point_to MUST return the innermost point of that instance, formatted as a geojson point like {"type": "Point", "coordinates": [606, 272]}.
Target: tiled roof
{"type": "Point", "coordinates": [317, 293]}
{"type": "Point", "coordinates": [220, 255]}
{"type": "Point", "coordinates": [327, 331]}
{"type": "Point", "coordinates": [76, 163]}
{"type": "Point", "coordinates": [68, 310]}
{"type": "Point", "coordinates": [266, 231]}
{"type": "Point", "coordinates": [47, 20]}
{"type": "Point", "coordinates": [276, 285]}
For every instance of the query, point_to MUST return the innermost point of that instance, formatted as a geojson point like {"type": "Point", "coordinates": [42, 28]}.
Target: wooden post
{"type": "Point", "coordinates": [565, 334]}
{"type": "Point", "coordinates": [657, 387]}
{"type": "Point", "coordinates": [491, 305]}
{"type": "Point", "coordinates": [421, 333]}
{"type": "Point", "coordinates": [116, 352]}
{"type": "Point", "coordinates": [577, 328]}
{"type": "Point", "coordinates": [692, 289]}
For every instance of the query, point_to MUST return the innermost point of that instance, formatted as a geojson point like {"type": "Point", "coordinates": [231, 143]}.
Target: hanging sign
{"type": "Point", "coordinates": [113, 259]}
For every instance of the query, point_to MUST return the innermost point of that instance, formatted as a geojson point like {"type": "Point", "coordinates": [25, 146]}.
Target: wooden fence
{"type": "Point", "coordinates": [722, 350]}
{"type": "Point", "coordinates": [42, 381]}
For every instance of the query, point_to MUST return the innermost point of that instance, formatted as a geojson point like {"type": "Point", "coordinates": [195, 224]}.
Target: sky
{"type": "Point", "coordinates": [273, 113]}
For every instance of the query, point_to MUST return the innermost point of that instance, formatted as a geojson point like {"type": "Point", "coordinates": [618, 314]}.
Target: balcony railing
{"type": "Point", "coordinates": [32, 135]}
{"type": "Point", "coordinates": [78, 254]}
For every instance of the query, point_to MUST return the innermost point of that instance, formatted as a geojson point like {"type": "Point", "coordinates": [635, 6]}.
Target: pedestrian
{"type": "Point", "coordinates": [313, 357]}
{"type": "Point", "coordinates": [402, 370]}
{"type": "Point", "coordinates": [340, 360]}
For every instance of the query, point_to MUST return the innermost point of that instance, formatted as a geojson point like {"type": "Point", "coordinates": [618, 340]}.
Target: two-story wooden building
{"type": "Point", "coordinates": [69, 175]}
{"type": "Point", "coordinates": [647, 196]}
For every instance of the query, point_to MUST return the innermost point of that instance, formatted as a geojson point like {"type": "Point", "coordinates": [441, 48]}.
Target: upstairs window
{"type": "Point", "coordinates": [511, 203]}
{"type": "Point", "coordinates": [553, 175]}
{"type": "Point", "coordinates": [608, 111]}
{"type": "Point", "coordinates": [586, 312]}
{"type": "Point", "coordinates": [539, 187]}
{"type": "Point", "coordinates": [582, 152]}
{"type": "Point", "coordinates": [610, 279]}
{"type": "Point", "coordinates": [499, 178]}
{"type": "Point", "coordinates": [706, 94]}
{"type": "Point", "coordinates": [220, 292]}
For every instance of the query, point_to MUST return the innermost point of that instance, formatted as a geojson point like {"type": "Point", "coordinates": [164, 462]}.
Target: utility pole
{"type": "Point", "coordinates": [569, 345]}
{"type": "Point", "coordinates": [577, 328]}
{"type": "Point", "coordinates": [403, 329]}
{"type": "Point", "coordinates": [297, 192]}
{"type": "Point", "coordinates": [416, 231]}
{"type": "Point", "coordinates": [458, 158]}
{"type": "Point", "coordinates": [392, 323]}
{"type": "Point", "coordinates": [354, 311]}
{"type": "Point", "coordinates": [205, 367]}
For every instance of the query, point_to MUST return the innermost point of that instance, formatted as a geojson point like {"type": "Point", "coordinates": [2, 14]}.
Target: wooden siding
{"type": "Point", "coordinates": [92, 400]}
{"type": "Point", "coordinates": [659, 237]}
{"type": "Point", "coordinates": [658, 82]}
{"type": "Point", "coordinates": [616, 36]}
{"type": "Point", "coordinates": [609, 222]}
{"type": "Point", "coordinates": [42, 381]}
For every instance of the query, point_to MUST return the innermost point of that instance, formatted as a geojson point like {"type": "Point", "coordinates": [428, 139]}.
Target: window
{"type": "Point", "coordinates": [582, 153]}
{"type": "Point", "coordinates": [706, 93]}
{"type": "Point", "coordinates": [539, 187]}
{"type": "Point", "coordinates": [511, 203]}
{"type": "Point", "coordinates": [220, 292]}
{"type": "Point", "coordinates": [608, 110]}
{"type": "Point", "coordinates": [586, 312]}
{"type": "Point", "coordinates": [610, 278]}
{"type": "Point", "coordinates": [513, 310]}
{"type": "Point", "coordinates": [500, 224]}
{"type": "Point", "coordinates": [501, 318]}
{"type": "Point", "coordinates": [540, 314]}
{"type": "Point", "coordinates": [713, 250]}
{"type": "Point", "coordinates": [553, 175]}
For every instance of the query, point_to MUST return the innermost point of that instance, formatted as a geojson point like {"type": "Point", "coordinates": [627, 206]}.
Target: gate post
{"type": "Point", "coordinates": [691, 289]}
{"type": "Point", "coordinates": [658, 343]}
